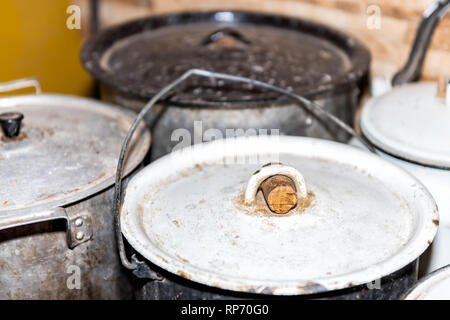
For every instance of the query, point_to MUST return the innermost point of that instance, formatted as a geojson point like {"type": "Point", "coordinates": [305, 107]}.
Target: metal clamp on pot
{"type": "Point", "coordinates": [140, 269]}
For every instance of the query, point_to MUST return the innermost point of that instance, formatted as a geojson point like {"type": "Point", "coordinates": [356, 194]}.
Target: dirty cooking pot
{"type": "Point", "coordinates": [274, 216]}
{"type": "Point", "coordinates": [58, 156]}
{"type": "Point", "coordinates": [409, 125]}
{"type": "Point", "coordinates": [136, 60]}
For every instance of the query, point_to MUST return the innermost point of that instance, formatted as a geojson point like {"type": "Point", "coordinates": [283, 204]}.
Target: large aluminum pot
{"type": "Point", "coordinates": [409, 125]}
{"type": "Point", "coordinates": [135, 60]}
{"type": "Point", "coordinates": [58, 156]}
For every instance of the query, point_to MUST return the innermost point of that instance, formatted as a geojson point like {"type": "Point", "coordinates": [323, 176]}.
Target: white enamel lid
{"type": "Point", "coordinates": [67, 150]}
{"type": "Point", "coordinates": [363, 219]}
{"type": "Point", "coordinates": [410, 122]}
{"type": "Point", "coordinates": [435, 286]}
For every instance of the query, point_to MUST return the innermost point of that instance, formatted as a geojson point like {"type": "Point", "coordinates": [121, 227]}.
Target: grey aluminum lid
{"type": "Point", "coordinates": [67, 150]}
{"type": "Point", "coordinates": [363, 219]}
{"type": "Point", "coordinates": [410, 122]}
{"type": "Point", "coordinates": [435, 286]}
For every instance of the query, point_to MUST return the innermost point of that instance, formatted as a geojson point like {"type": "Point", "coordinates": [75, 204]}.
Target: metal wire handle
{"type": "Point", "coordinates": [21, 84]}
{"type": "Point", "coordinates": [311, 106]}
{"type": "Point", "coordinates": [413, 67]}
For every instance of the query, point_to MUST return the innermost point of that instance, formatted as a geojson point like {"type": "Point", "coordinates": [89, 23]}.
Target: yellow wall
{"type": "Point", "coordinates": [35, 41]}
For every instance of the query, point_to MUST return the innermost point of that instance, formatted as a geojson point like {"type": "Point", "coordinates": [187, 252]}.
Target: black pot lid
{"type": "Point", "coordinates": [143, 56]}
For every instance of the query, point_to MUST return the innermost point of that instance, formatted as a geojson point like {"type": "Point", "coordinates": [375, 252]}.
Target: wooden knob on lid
{"type": "Point", "coordinates": [280, 193]}
{"type": "Point", "coordinates": [282, 187]}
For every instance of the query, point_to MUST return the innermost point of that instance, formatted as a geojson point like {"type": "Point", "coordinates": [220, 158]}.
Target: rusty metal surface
{"type": "Point", "coordinates": [361, 201]}
{"type": "Point", "coordinates": [35, 262]}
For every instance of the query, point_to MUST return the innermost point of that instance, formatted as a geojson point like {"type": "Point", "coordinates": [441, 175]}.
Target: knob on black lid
{"type": "Point", "coordinates": [10, 123]}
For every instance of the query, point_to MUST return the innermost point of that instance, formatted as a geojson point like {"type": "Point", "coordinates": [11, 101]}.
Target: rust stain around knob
{"type": "Point", "coordinates": [280, 193]}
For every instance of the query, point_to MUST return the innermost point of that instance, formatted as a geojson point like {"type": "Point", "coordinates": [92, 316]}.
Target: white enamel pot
{"type": "Point", "coordinates": [410, 126]}
{"type": "Point", "coordinates": [198, 219]}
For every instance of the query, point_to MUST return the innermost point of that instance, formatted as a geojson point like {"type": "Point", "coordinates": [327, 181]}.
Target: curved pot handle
{"type": "Point", "coordinates": [78, 224]}
{"type": "Point", "coordinates": [309, 105]}
{"type": "Point", "coordinates": [21, 84]}
{"type": "Point", "coordinates": [413, 67]}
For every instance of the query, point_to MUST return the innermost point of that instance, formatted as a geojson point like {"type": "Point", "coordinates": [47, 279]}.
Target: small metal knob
{"type": "Point", "coordinates": [10, 123]}
{"type": "Point", "coordinates": [225, 37]}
